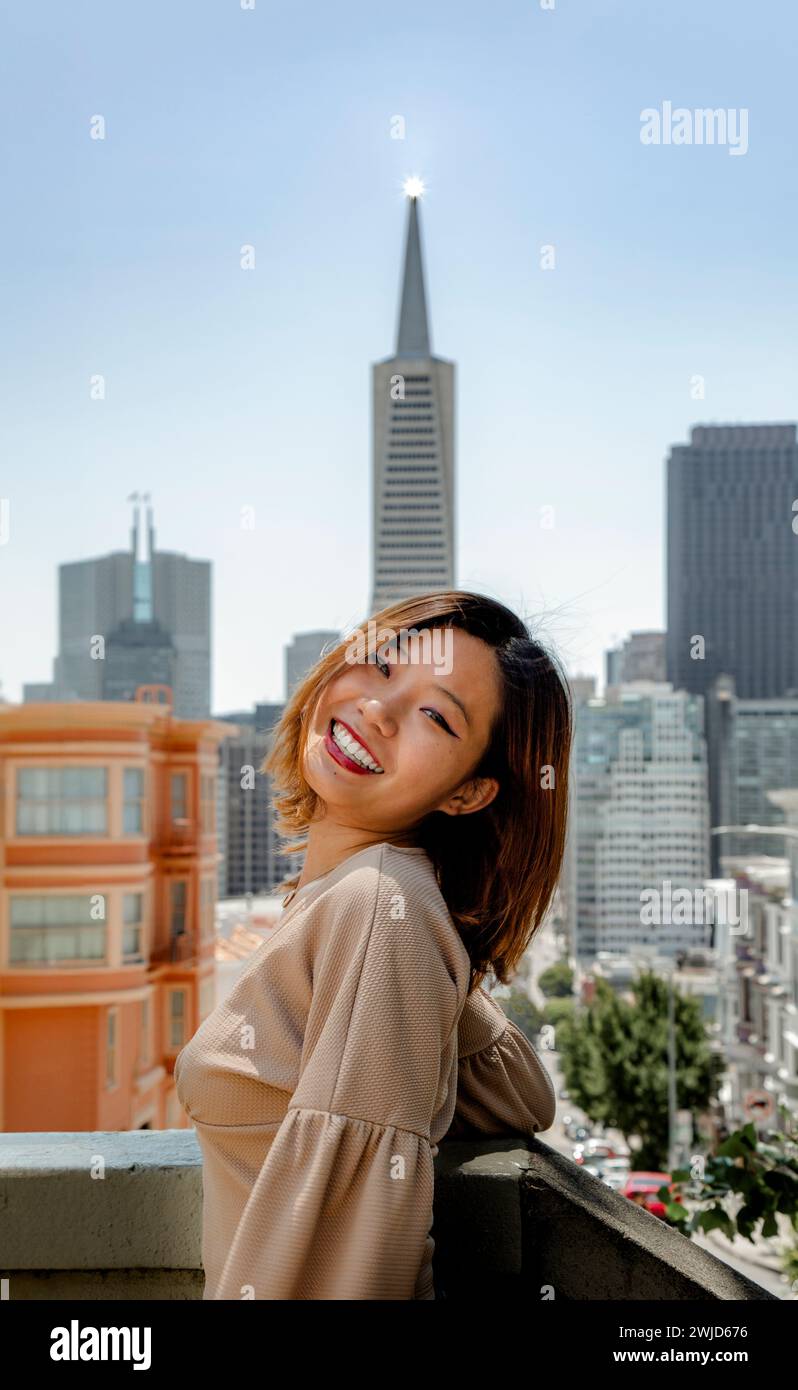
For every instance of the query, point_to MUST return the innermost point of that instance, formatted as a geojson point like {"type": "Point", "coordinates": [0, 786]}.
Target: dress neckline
{"type": "Point", "coordinates": [296, 893]}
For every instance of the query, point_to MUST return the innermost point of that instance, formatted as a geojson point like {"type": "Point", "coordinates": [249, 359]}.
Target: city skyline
{"type": "Point", "coordinates": [356, 308]}
{"type": "Point", "coordinates": [229, 389]}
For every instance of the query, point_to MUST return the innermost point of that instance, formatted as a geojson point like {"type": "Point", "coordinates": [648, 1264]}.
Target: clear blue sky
{"type": "Point", "coordinates": [230, 388]}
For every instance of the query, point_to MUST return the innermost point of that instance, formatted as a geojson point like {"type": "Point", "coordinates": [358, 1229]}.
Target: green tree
{"type": "Point", "coordinates": [558, 981]}
{"type": "Point", "coordinates": [583, 1067]}
{"type": "Point", "coordinates": [616, 1063]}
{"type": "Point", "coordinates": [559, 1013]}
{"type": "Point", "coordinates": [521, 1011]}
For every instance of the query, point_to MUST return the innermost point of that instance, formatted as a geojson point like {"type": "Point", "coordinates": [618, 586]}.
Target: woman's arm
{"type": "Point", "coordinates": [342, 1207]}
{"type": "Point", "coordinates": [502, 1085]}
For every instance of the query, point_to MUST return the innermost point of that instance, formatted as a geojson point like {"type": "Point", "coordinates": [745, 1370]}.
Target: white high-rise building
{"type": "Point", "coordinates": [639, 833]}
{"type": "Point", "coordinates": [413, 499]}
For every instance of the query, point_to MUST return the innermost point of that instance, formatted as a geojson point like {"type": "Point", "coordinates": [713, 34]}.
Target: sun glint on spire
{"type": "Point", "coordinates": [413, 187]}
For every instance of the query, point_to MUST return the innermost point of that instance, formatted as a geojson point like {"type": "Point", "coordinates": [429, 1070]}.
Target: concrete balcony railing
{"type": "Point", "coordinates": [118, 1216]}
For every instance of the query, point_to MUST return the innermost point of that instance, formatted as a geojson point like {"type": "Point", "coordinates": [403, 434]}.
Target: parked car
{"type": "Point", "coordinates": [615, 1172]}
{"type": "Point", "coordinates": [611, 1148]}
{"type": "Point", "coordinates": [642, 1188]}
{"type": "Point", "coordinates": [593, 1150]}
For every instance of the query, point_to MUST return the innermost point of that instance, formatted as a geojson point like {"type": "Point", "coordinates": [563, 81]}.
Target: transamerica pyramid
{"type": "Point", "coordinates": [413, 446]}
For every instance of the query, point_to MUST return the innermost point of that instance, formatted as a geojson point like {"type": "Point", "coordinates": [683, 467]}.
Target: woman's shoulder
{"type": "Point", "coordinates": [386, 888]}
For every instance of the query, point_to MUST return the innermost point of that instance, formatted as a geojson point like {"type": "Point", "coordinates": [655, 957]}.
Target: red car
{"type": "Point", "coordinates": [591, 1150]}
{"type": "Point", "coordinates": [642, 1188]}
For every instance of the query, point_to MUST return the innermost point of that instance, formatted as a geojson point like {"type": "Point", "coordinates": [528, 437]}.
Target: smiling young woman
{"type": "Point", "coordinates": [432, 798]}
{"type": "Point", "coordinates": [493, 738]}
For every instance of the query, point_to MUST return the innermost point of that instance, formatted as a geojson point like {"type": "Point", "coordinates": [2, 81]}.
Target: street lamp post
{"type": "Point", "coordinates": [671, 1074]}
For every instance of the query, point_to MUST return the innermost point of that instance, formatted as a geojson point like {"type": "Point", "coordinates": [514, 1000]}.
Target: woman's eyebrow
{"type": "Point", "coordinates": [444, 690]}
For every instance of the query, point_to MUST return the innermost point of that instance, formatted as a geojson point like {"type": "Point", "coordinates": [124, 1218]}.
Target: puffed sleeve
{"type": "Point", "coordinates": [502, 1085]}
{"type": "Point", "coordinates": [343, 1205]}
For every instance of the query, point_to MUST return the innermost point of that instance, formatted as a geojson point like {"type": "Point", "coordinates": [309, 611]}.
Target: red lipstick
{"type": "Point", "coordinates": [340, 756]}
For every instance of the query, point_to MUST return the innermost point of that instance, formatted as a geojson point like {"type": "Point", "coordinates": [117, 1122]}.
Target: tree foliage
{"type": "Point", "coordinates": [521, 1011]}
{"type": "Point", "coordinates": [762, 1172]}
{"type": "Point", "coordinates": [558, 981]}
{"type": "Point", "coordinates": [615, 1062]}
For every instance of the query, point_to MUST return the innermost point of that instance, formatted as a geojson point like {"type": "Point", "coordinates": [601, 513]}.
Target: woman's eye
{"type": "Point", "coordinates": [439, 719]}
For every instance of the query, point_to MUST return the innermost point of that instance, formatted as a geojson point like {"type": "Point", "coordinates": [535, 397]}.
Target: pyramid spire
{"type": "Point", "coordinates": [412, 339]}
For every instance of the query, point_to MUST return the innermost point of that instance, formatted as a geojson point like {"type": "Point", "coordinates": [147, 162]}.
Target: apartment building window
{"type": "Point", "coordinates": [177, 1018]}
{"type": "Point", "coordinates": [177, 907]}
{"type": "Point", "coordinates": [208, 804]}
{"type": "Point", "coordinates": [132, 926]}
{"type": "Point", "coordinates": [62, 801]}
{"type": "Point", "coordinates": [179, 791]}
{"type": "Point", "coordinates": [133, 801]}
{"type": "Point", "coordinates": [56, 930]}
{"type": "Point", "coordinates": [111, 1049]}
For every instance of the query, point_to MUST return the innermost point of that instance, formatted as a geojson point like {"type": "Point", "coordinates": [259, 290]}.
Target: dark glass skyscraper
{"type": "Point", "coordinates": [152, 607]}
{"type": "Point", "coordinates": [732, 561]}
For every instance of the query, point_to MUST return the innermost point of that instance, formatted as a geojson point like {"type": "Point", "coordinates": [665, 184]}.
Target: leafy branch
{"type": "Point", "coordinates": [763, 1173]}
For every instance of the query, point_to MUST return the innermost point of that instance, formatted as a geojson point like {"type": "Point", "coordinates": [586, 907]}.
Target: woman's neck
{"type": "Point", "coordinates": [329, 844]}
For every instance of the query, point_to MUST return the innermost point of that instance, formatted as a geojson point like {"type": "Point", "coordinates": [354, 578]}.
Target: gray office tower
{"type": "Point", "coordinates": [413, 449]}
{"type": "Point", "coordinates": [304, 650]}
{"type": "Point", "coordinates": [754, 750]}
{"type": "Point", "coordinates": [152, 607]}
{"type": "Point", "coordinates": [248, 842]}
{"type": "Point", "coordinates": [732, 578]}
{"type": "Point", "coordinates": [640, 658]}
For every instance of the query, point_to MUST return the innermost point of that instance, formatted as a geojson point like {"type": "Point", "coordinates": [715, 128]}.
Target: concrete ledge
{"type": "Point", "coordinates": [588, 1242]}
{"type": "Point", "coordinates": [509, 1215]}
{"type": "Point", "coordinates": [145, 1213]}
{"type": "Point", "coordinates": [107, 1285]}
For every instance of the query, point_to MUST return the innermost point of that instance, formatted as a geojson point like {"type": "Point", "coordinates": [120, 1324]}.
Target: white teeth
{"type": "Point", "coordinates": [352, 748]}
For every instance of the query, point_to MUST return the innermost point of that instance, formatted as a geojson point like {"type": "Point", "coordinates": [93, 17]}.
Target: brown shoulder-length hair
{"type": "Point", "coordinates": [498, 867]}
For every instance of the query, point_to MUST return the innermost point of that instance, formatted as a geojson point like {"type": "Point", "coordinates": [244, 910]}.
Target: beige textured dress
{"type": "Point", "coordinates": [322, 1085]}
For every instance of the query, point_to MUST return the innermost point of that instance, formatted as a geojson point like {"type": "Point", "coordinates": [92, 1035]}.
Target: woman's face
{"type": "Point", "coordinates": [423, 721]}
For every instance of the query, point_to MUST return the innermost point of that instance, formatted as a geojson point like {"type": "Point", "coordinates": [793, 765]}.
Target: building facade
{"type": "Point", "coordinates": [252, 862]}
{"type": "Point", "coordinates": [413, 483]}
{"type": "Point", "coordinates": [137, 653]}
{"type": "Point", "coordinates": [639, 822]}
{"type": "Point", "coordinates": [640, 658]}
{"type": "Point", "coordinates": [302, 653]}
{"type": "Point", "coordinates": [753, 750]}
{"type": "Point", "coordinates": [107, 897]}
{"type": "Point", "coordinates": [100, 601]}
{"type": "Point", "coordinates": [758, 997]}
{"type": "Point", "coordinates": [732, 560]}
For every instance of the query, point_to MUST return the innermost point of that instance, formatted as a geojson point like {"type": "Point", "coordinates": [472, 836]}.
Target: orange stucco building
{"type": "Point", "coordinates": [108, 873]}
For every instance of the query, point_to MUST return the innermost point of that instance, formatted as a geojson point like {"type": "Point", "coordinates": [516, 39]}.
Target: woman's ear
{"type": "Point", "coordinates": [472, 796]}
